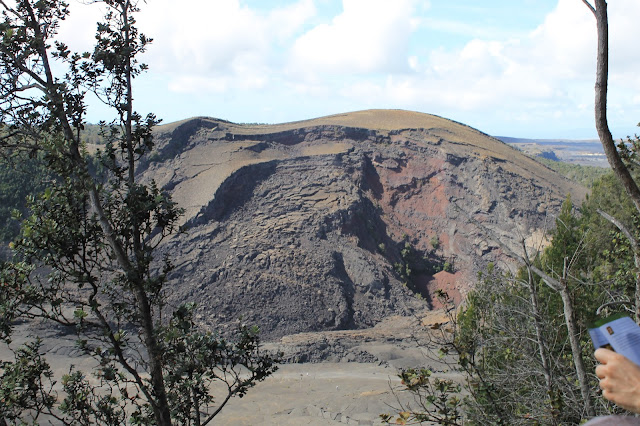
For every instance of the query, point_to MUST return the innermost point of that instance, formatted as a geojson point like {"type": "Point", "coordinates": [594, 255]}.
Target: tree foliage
{"type": "Point", "coordinates": [85, 256]}
{"type": "Point", "coordinates": [510, 340]}
{"type": "Point", "coordinates": [582, 174]}
{"type": "Point", "coordinates": [19, 178]}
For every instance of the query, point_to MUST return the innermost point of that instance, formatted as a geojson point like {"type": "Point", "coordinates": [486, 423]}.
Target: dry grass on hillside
{"type": "Point", "coordinates": [465, 140]}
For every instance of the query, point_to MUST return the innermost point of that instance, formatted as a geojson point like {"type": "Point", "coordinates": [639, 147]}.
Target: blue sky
{"type": "Point", "coordinates": [521, 68]}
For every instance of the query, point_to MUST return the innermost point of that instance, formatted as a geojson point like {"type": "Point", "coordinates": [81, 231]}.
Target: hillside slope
{"type": "Point", "coordinates": [315, 225]}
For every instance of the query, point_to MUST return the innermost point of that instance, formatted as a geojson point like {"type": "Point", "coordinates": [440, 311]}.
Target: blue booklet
{"type": "Point", "coordinates": [618, 333]}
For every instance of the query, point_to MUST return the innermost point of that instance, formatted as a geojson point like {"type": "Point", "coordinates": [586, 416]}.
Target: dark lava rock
{"type": "Point", "coordinates": [340, 222]}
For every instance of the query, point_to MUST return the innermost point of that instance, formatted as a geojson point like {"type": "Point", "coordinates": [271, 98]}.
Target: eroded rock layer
{"type": "Point", "coordinates": [339, 222]}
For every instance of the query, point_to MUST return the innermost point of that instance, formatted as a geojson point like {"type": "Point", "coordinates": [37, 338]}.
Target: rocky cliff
{"type": "Point", "coordinates": [339, 222]}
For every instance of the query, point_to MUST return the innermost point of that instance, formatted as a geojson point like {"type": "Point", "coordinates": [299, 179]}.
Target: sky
{"type": "Point", "coordinates": [520, 68]}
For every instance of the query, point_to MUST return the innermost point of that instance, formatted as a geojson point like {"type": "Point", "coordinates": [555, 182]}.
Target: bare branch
{"type": "Point", "coordinates": [621, 227]}
{"type": "Point", "coordinates": [7, 8]}
{"type": "Point", "coordinates": [617, 303]}
{"type": "Point", "coordinates": [591, 8]}
{"type": "Point", "coordinates": [30, 86]}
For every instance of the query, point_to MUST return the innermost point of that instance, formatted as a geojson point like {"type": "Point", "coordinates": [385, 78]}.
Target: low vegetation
{"type": "Point", "coordinates": [509, 339]}
{"type": "Point", "coordinates": [584, 175]}
{"type": "Point", "coordinates": [520, 339]}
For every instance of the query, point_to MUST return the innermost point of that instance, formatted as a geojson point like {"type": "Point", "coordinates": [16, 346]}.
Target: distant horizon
{"type": "Point", "coordinates": [593, 137]}
{"type": "Point", "coordinates": [524, 68]}
{"type": "Point", "coordinates": [525, 140]}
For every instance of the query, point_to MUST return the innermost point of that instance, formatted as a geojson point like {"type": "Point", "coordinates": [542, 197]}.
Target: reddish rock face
{"type": "Point", "coordinates": [339, 222]}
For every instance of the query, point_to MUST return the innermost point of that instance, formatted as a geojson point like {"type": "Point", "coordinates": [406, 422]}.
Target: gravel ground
{"type": "Point", "coordinates": [324, 393]}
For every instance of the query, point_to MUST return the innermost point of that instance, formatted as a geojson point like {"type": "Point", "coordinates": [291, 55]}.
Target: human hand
{"type": "Point", "coordinates": [619, 379]}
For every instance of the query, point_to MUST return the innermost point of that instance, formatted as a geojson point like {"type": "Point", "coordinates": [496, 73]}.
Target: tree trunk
{"type": "Point", "coordinates": [602, 73]}
{"type": "Point", "coordinates": [160, 401]}
{"type": "Point", "coordinates": [542, 346]}
{"type": "Point", "coordinates": [572, 330]}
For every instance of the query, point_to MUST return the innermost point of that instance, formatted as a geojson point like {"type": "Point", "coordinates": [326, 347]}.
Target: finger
{"type": "Point", "coordinates": [613, 397]}
{"type": "Point", "coordinates": [603, 355]}
{"type": "Point", "coordinates": [601, 371]}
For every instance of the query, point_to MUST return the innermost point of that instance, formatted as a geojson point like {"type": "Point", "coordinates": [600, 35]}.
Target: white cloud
{"type": "Point", "coordinates": [370, 54]}
{"type": "Point", "coordinates": [285, 22]}
{"type": "Point", "coordinates": [624, 34]}
{"type": "Point", "coordinates": [78, 30]}
{"type": "Point", "coordinates": [532, 69]}
{"type": "Point", "coordinates": [565, 43]}
{"type": "Point", "coordinates": [547, 73]}
{"type": "Point", "coordinates": [201, 36]}
{"type": "Point", "coordinates": [224, 41]}
{"type": "Point", "coordinates": [216, 84]}
{"type": "Point", "coordinates": [368, 36]}
{"type": "Point", "coordinates": [467, 29]}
